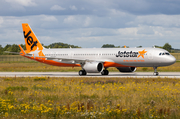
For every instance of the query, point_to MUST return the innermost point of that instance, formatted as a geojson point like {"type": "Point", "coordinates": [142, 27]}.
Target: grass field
{"type": "Point", "coordinates": [176, 55]}
{"type": "Point", "coordinates": [79, 98]}
{"type": "Point", "coordinates": [14, 58]}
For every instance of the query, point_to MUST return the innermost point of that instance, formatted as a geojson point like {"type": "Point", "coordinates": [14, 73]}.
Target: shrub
{"type": "Point", "coordinates": [8, 79]}
{"type": "Point", "coordinates": [39, 79]}
{"type": "Point", "coordinates": [35, 87]}
{"type": "Point", "coordinates": [14, 88]}
{"type": "Point", "coordinates": [144, 68]}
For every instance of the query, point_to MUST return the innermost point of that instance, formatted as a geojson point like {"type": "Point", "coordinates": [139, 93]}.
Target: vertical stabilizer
{"type": "Point", "coordinates": [31, 41]}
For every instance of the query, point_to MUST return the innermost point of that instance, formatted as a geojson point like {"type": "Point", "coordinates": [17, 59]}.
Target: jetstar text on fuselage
{"type": "Point", "coordinates": [127, 54]}
{"type": "Point", "coordinates": [131, 54]}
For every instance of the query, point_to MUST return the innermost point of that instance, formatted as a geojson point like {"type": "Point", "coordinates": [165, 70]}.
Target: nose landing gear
{"type": "Point", "coordinates": [155, 71]}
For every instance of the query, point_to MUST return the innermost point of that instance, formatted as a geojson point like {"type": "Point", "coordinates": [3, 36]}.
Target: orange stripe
{"type": "Point", "coordinates": [113, 64]}
{"type": "Point", "coordinates": [51, 62]}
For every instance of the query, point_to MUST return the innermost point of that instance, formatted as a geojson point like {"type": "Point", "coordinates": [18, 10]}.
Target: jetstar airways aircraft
{"type": "Point", "coordinates": [95, 60]}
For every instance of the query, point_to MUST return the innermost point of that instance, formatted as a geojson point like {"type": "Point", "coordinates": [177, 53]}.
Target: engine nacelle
{"type": "Point", "coordinates": [93, 67]}
{"type": "Point", "coordinates": [126, 69]}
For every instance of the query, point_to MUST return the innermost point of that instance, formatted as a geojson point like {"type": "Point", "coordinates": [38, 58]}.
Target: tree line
{"type": "Point", "coordinates": [166, 46]}
{"type": "Point", "coordinates": [15, 47]}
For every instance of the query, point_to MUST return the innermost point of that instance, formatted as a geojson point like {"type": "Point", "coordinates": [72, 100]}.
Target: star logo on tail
{"type": "Point", "coordinates": [141, 53]}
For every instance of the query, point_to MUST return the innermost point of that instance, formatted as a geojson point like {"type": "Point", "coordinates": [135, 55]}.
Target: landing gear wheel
{"type": "Point", "coordinates": [82, 72]}
{"type": "Point", "coordinates": [155, 71]}
{"type": "Point", "coordinates": [105, 72]}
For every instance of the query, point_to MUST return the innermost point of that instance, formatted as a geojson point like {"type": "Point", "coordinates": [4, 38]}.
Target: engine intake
{"type": "Point", "coordinates": [93, 67]}
{"type": "Point", "coordinates": [126, 69]}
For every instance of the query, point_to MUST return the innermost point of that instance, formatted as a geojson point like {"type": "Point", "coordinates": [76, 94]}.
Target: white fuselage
{"type": "Point", "coordinates": [124, 56]}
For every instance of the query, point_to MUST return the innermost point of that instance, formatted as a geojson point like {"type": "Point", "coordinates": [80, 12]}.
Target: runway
{"type": "Point", "coordinates": [75, 74]}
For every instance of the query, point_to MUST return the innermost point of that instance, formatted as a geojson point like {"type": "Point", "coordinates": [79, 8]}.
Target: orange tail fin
{"type": "Point", "coordinates": [22, 50]}
{"type": "Point", "coordinates": [31, 41]}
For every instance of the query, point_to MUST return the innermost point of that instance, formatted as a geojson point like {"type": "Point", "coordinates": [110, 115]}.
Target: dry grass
{"type": "Point", "coordinates": [89, 98]}
{"type": "Point", "coordinates": [14, 58]}
{"type": "Point", "coordinates": [27, 67]}
{"type": "Point", "coordinates": [176, 55]}
{"type": "Point", "coordinates": [172, 68]}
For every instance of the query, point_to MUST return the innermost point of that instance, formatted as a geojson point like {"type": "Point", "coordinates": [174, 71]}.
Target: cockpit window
{"type": "Point", "coordinates": [164, 53]}
{"type": "Point", "coordinates": [167, 53]}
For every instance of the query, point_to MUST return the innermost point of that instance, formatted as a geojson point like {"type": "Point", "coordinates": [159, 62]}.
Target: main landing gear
{"type": "Point", "coordinates": [105, 72]}
{"type": "Point", "coordinates": [155, 71]}
{"type": "Point", "coordinates": [82, 72]}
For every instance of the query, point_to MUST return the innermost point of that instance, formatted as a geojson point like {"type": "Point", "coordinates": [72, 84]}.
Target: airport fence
{"type": "Point", "coordinates": [14, 58]}
{"type": "Point", "coordinates": [18, 58]}
{"type": "Point", "coordinates": [176, 55]}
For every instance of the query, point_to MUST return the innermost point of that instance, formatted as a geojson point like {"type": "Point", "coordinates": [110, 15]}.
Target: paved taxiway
{"type": "Point", "coordinates": [75, 74]}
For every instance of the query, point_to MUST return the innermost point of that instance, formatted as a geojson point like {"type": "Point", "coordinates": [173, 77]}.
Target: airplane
{"type": "Point", "coordinates": [95, 60]}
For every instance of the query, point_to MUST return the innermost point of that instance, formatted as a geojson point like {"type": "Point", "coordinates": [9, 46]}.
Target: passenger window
{"type": "Point", "coordinates": [159, 53]}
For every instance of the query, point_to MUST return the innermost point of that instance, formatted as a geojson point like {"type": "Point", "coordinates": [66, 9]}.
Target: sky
{"type": "Point", "coordinates": [92, 23]}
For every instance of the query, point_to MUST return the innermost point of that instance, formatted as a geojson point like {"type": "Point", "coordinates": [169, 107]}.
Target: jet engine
{"type": "Point", "coordinates": [126, 69]}
{"type": "Point", "coordinates": [93, 67]}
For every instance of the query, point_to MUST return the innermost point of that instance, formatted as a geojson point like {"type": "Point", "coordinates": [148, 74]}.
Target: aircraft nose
{"type": "Point", "coordinates": [171, 60]}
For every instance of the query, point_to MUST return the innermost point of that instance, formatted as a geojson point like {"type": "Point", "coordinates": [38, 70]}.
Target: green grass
{"type": "Point", "coordinates": [39, 79]}
{"type": "Point", "coordinates": [36, 87]}
{"type": "Point", "coordinates": [14, 88]}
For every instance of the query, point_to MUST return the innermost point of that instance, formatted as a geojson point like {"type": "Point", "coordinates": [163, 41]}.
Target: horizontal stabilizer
{"type": "Point", "coordinates": [13, 52]}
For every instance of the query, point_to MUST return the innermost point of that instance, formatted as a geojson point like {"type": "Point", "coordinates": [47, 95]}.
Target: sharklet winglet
{"type": "Point", "coordinates": [22, 50]}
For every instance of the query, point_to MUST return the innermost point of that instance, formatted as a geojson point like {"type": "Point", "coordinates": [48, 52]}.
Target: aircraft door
{"type": "Point", "coordinates": [71, 54]}
{"type": "Point", "coordinates": [99, 54]}
{"type": "Point", "coordinates": [150, 55]}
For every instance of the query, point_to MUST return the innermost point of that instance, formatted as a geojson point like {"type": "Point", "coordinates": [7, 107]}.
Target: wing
{"type": "Point", "coordinates": [73, 60]}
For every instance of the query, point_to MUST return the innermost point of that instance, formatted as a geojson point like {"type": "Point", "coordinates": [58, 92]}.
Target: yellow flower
{"type": "Point", "coordinates": [22, 111]}
{"type": "Point", "coordinates": [124, 110]}
{"type": "Point", "coordinates": [6, 114]}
